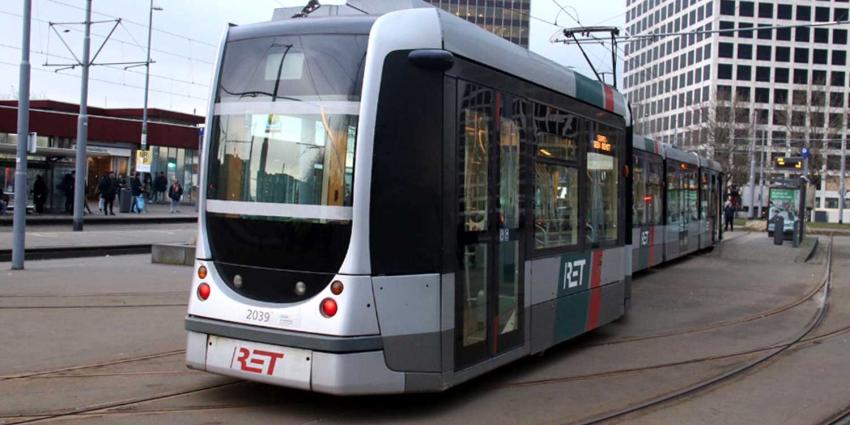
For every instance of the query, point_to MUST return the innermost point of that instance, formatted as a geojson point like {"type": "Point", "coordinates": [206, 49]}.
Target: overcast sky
{"type": "Point", "coordinates": [184, 45]}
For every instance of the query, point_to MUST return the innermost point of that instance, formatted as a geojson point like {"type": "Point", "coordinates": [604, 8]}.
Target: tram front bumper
{"type": "Point", "coordinates": [342, 373]}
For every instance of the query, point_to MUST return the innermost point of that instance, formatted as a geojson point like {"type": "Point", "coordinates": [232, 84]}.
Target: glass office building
{"type": "Point", "coordinates": [507, 18]}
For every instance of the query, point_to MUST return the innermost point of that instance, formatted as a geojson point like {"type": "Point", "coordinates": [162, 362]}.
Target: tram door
{"type": "Point", "coordinates": [489, 286]}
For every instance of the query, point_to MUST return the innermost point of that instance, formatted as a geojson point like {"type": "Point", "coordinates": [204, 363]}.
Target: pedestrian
{"type": "Point", "coordinates": [108, 187]}
{"type": "Point", "coordinates": [175, 192]}
{"type": "Point", "coordinates": [39, 194]}
{"type": "Point", "coordinates": [4, 202]}
{"type": "Point", "coordinates": [136, 193]}
{"type": "Point", "coordinates": [147, 186]}
{"type": "Point", "coordinates": [729, 214]}
{"type": "Point", "coordinates": [86, 198]}
{"type": "Point", "coordinates": [160, 185]}
{"type": "Point", "coordinates": [67, 188]}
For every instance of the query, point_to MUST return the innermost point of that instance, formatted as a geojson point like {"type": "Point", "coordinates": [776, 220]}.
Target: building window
{"type": "Point", "coordinates": [840, 14]}
{"type": "Point", "coordinates": [745, 33]}
{"type": "Point", "coordinates": [742, 94]}
{"type": "Point", "coordinates": [763, 73]}
{"type": "Point", "coordinates": [727, 7]}
{"type": "Point", "coordinates": [799, 97]}
{"type": "Point", "coordinates": [765, 34]}
{"type": "Point", "coordinates": [804, 13]}
{"type": "Point", "coordinates": [819, 78]}
{"type": "Point", "coordinates": [783, 11]}
{"type": "Point", "coordinates": [724, 71]}
{"type": "Point", "coordinates": [783, 34]}
{"type": "Point", "coordinates": [839, 36]}
{"type": "Point", "coordinates": [745, 51]}
{"type": "Point", "coordinates": [780, 96]}
{"type": "Point", "coordinates": [783, 54]}
{"type": "Point", "coordinates": [801, 55]}
{"type": "Point", "coordinates": [802, 34]}
{"type": "Point", "coordinates": [725, 26]}
{"type": "Point", "coordinates": [763, 53]}
{"type": "Point", "coordinates": [724, 50]}
{"type": "Point", "coordinates": [821, 35]}
{"type": "Point", "coordinates": [746, 8]}
{"type": "Point", "coordinates": [744, 73]}
{"type": "Point", "coordinates": [836, 100]}
{"type": "Point", "coordinates": [822, 14]}
{"type": "Point", "coordinates": [819, 56]}
{"type": "Point", "coordinates": [765, 10]}
{"type": "Point", "coordinates": [801, 76]}
{"type": "Point", "coordinates": [724, 93]}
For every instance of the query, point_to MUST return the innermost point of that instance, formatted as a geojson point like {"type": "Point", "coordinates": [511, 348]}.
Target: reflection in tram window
{"type": "Point", "coordinates": [473, 277]}
{"type": "Point", "coordinates": [555, 206]}
{"type": "Point", "coordinates": [602, 183]}
{"type": "Point", "coordinates": [476, 117]}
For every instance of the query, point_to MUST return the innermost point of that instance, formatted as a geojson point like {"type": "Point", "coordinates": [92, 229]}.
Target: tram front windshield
{"type": "Point", "coordinates": [281, 157]}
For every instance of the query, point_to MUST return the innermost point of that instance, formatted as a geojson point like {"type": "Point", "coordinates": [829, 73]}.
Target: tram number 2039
{"type": "Point", "coordinates": [258, 316]}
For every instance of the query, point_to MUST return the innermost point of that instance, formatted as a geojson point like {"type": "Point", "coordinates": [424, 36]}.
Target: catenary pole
{"type": "Point", "coordinates": [82, 127]}
{"type": "Point", "coordinates": [147, 81]}
{"type": "Point", "coordinates": [21, 186]}
{"type": "Point", "coordinates": [752, 183]}
{"type": "Point", "coordinates": [761, 175]}
{"type": "Point", "coordinates": [842, 195]}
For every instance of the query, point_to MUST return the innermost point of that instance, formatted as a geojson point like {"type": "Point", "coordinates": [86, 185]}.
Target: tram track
{"type": "Point", "coordinates": [722, 324]}
{"type": "Point", "coordinates": [737, 371]}
{"type": "Point", "coordinates": [43, 373]}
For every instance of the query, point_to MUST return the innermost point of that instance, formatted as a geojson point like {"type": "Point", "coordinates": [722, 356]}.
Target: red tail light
{"type": "Point", "coordinates": [203, 291]}
{"type": "Point", "coordinates": [329, 307]}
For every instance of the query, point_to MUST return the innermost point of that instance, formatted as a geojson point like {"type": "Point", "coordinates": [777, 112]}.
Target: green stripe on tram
{"type": "Point", "coordinates": [589, 91]}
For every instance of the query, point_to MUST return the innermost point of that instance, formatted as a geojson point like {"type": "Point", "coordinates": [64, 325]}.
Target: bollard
{"type": "Point", "coordinates": [778, 230]}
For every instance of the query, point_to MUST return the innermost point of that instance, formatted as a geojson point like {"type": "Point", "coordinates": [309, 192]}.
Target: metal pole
{"type": "Point", "coordinates": [761, 175]}
{"type": "Point", "coordinates": [82, 128]}
{"type": "Point", "coordinates": [752, 183]}
{"type": "Point", "coordinates": [841, 189]}
{"type": "Point", "coordinates": [147, 81]}
{"type": "Point", "coordinates": [21, 186]}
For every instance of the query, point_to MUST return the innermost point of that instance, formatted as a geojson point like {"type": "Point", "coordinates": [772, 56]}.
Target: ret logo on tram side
{"type": "Point", "coordinates": [574, 273]}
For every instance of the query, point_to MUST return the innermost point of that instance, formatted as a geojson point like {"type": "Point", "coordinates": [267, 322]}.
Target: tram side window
{"type": "Point", "coordinates": [654, 187]}
{"type": "Point", "coordinates": [704, 195]}
{"type": "Point", "coordinates": [602, 183]}
{"type": "Point", "coordinates": [555, 177]}
{"type": "Point", "coordinates": [475, 118]}
{"type": "Point", "coordinates": [640, 207]}
{"type": "Point", "coordinates": [691, 211]}
{"type": "Point", "coordinates": [674, 189]}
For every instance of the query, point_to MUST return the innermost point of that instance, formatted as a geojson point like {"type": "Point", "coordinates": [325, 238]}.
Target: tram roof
{"type": "Point", "coordinates": [464, 39]}
{"type": "Point", "coordinates": [473, 42]}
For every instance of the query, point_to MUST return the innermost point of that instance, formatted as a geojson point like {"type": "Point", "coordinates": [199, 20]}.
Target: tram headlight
{"type": "Point", "coordinates": [328, 307]}
{"type": "Point", "coordinates": [203, 291]}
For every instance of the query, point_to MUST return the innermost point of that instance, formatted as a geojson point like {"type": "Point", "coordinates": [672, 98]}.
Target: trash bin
{"type": "Point", "coordinates": [778, 230]}
{"type": "Point", "coordinates": [124, 200]}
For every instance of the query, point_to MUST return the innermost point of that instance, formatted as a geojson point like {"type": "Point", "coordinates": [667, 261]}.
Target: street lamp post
{"type": "Point", "coordinates": [21, 186]}
{"type": "Point", "coordinates": [147, 77]}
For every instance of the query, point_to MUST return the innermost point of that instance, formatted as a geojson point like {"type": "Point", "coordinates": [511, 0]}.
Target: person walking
{"type": "Point", "coordinates": [136, 193]}
{"type": "Point", "coordinates": [39, 194]}
{"type": "Point", "coordinates": [175, 192]}
{"type": "Point", "coordinates": [729, 214]}
{"type": "Point", "coordinates": [67, 188]}
{"type": "Point", "coordinates": [108, 187]}
{"type": "Point", "coordinates": [160, 184]}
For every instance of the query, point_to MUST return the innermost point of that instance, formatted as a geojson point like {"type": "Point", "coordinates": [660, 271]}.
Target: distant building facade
{"type": "Point", "coordinates": [774, 90]}
{"type": "Point", "coordinates": [508, 19]}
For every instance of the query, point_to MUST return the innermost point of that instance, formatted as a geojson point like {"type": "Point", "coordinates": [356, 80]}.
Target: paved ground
{"type": "Point", "coordinates": [691, 320]}
{"type": "Point", "coordinates": [101, 235]}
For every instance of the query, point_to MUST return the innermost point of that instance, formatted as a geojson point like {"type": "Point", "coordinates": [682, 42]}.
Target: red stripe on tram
{"type": "Point", "coordinates": [609, 98]}
{"type": "Point", "coordinates": [595, 291]}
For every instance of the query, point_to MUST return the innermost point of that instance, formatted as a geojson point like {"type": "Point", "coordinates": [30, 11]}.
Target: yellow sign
{"type": "Point", "coordinates": [144, 159]}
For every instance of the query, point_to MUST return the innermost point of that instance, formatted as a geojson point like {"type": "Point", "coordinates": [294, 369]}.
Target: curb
{"type": "Point", "coordinates": [76, 252]}
{"type": "Point", "coordinates": [95, 220]}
